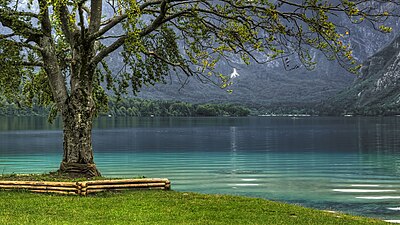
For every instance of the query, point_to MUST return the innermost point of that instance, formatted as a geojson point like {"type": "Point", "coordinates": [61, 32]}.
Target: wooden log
{"type": "Point", "coordinates": [91, 191]}
{"type": "Point", "coordinates": [126, 181]}
{"type": "Point", "coordinates": [85, 187]}
{"type": "Point", "coordinates": [113, 186]}
{"type": "Point", "coordinates": [81, 184]}
{"type": "Point", "coordinates": [39, 183]}
{"type": "Point", "coordinates": [38, 187]}
{"type": "Point", "coordinates": [54, 191]}
{"type": "Point", "coordinates": [79, 188]}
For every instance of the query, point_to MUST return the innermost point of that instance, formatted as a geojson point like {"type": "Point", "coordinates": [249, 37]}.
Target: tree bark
{"type": "Point", "coordinates": [78, 115]}
{"type": "Point", "coordinates": [75, 103]}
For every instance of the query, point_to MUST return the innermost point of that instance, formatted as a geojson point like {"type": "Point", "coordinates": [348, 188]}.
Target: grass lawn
{"type": "Point", "coordinates": [159, 207]}
{"type": "Point", "coordinates": [52, 176]}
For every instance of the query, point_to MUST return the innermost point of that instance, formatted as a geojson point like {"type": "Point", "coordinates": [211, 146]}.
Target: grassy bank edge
{"type": "Point", "coordinates": [217, 207]}
{"type": "Point", "coordinates": [160, 207]}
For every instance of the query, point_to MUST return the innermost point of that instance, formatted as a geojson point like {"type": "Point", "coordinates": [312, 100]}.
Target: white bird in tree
{"type": "Point", "coordinates": [234, 73]}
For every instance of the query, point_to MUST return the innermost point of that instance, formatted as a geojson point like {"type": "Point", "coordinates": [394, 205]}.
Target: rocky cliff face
{"type": "Point", "coordinates": [378, 85]}
{"type": "Point", "coordinates": [382, 70]}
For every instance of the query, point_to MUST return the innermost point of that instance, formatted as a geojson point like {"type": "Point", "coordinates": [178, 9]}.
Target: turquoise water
{"type": "Point", "coordinates": [344, 164]}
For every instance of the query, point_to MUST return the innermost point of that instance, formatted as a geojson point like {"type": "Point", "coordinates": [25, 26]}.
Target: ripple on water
{"type": "Point", "coordinates": [362, 190]}
{"type": "Point", "coordinates": [394, 208]}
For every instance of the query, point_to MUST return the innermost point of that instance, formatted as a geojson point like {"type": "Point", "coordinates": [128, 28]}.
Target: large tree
{"type": "Point", "coordinates": [54, 52]}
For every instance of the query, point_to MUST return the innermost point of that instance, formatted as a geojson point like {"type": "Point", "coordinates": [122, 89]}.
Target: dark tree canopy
{"type": "Point", "coordinates": [54, 52]}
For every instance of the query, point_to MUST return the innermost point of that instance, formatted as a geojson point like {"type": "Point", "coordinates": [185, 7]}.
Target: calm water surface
{"type": "Point", "coordinates": [344, 164]}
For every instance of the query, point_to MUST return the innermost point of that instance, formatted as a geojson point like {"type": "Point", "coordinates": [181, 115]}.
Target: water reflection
{"type": "Point", "coordinates": [27, 123]}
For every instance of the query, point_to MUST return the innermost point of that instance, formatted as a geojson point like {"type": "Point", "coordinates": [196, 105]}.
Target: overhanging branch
{"type": "Point", "coordinates": [5, 36]}
{"type": "Point", "coordinates": [112, 23]}
{"type": "Point", "coordinates": [18, 26]}
{"type": "Point", "coordinates": [66, 25]}
{"type": "Point", "coordinates": [114, 46]}
{"type": "Point", "coordinates": [95, 15]}
{"type": "Point", "coordinates": [29, 64]}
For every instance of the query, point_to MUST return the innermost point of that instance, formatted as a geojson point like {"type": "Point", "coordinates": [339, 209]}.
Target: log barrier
{"type": "Point", "coordinates": [84, 188]}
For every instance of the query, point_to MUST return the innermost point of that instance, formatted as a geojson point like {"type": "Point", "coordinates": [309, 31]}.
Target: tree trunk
{"type": "Point", "coordinates": [78, 115]}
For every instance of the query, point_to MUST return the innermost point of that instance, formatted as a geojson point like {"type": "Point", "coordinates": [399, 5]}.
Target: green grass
{"type": "Point", "coordinates": [52, 176]}
{"type": "Point", "coordinates": [159, 207]}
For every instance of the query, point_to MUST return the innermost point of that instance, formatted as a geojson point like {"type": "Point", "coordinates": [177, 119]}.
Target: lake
{"type": "Point", "coordinates": [348, 164]}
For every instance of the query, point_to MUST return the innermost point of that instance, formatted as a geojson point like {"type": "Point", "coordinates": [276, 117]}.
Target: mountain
{"type": "Point", "coordinates": [258, 84]}
{"type": "Point", "coordinates": [270, 84]}
{"type": "Point", "coordinates": [376, 90]}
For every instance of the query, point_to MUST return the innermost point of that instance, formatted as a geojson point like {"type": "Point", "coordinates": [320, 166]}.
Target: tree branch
{"type": "Point", "coordinates": [155, 55]}
{"type": "Point", "coordinates": [65, 24]}
{"type": "Point", "coordinates": [118, 43]}
{"type": "Point", "coordinates": [114, 46]}
{"type": "Point", "coordinates": [95, 15]}
{"type": "Point", "coordinates": [51, 65]}
{"type": "Point", "coordinates": [158, 21]}
{"type": "Point", "coordinates": [18, 26]}
{"type": "Point", "coordinates": [21, 13]}
{"type": "Point", "coordinates": [112, 23]}
{"type": "Point", "coordinates": [176, 15]}
{"type": "Point", "coordinates": [5, 36]}
{"type": "Point", "coordinates": [45, 19]}
{"type": "Point", "coordinates": [110, 37]}
{"type": "Point", "coordinates": [24, 45]}
{"type": "Point", "coordinates": [81, 19]}
{"type": "Point", "coordinates": [149, 3]}
{"type": "Point", "coordinates": [29, 64]}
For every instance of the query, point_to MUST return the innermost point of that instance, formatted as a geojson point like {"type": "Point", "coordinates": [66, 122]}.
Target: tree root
{"type": "Point", "coordinates": [79, 169]}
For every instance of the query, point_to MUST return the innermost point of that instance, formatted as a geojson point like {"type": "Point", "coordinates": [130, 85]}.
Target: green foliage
{"type": "Point", "coordinates": [286, 109]}
{"type": "Point", "coordinates": [133, 107]}
{"type": "Point", "coordinates": [141, 107]}
{"type": "Point", "coordinates": [343, 109]}
{"type": "Point", "coordinates": [8, 108]}
{"type": "Point", "coordinates": [37, 90]}
{"type": "Point", "coordinates": [206, 110]}
{"type": "Point", "coordinates": [10, 72]}
{"type": "Point", "coordinates": [151, 64]}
